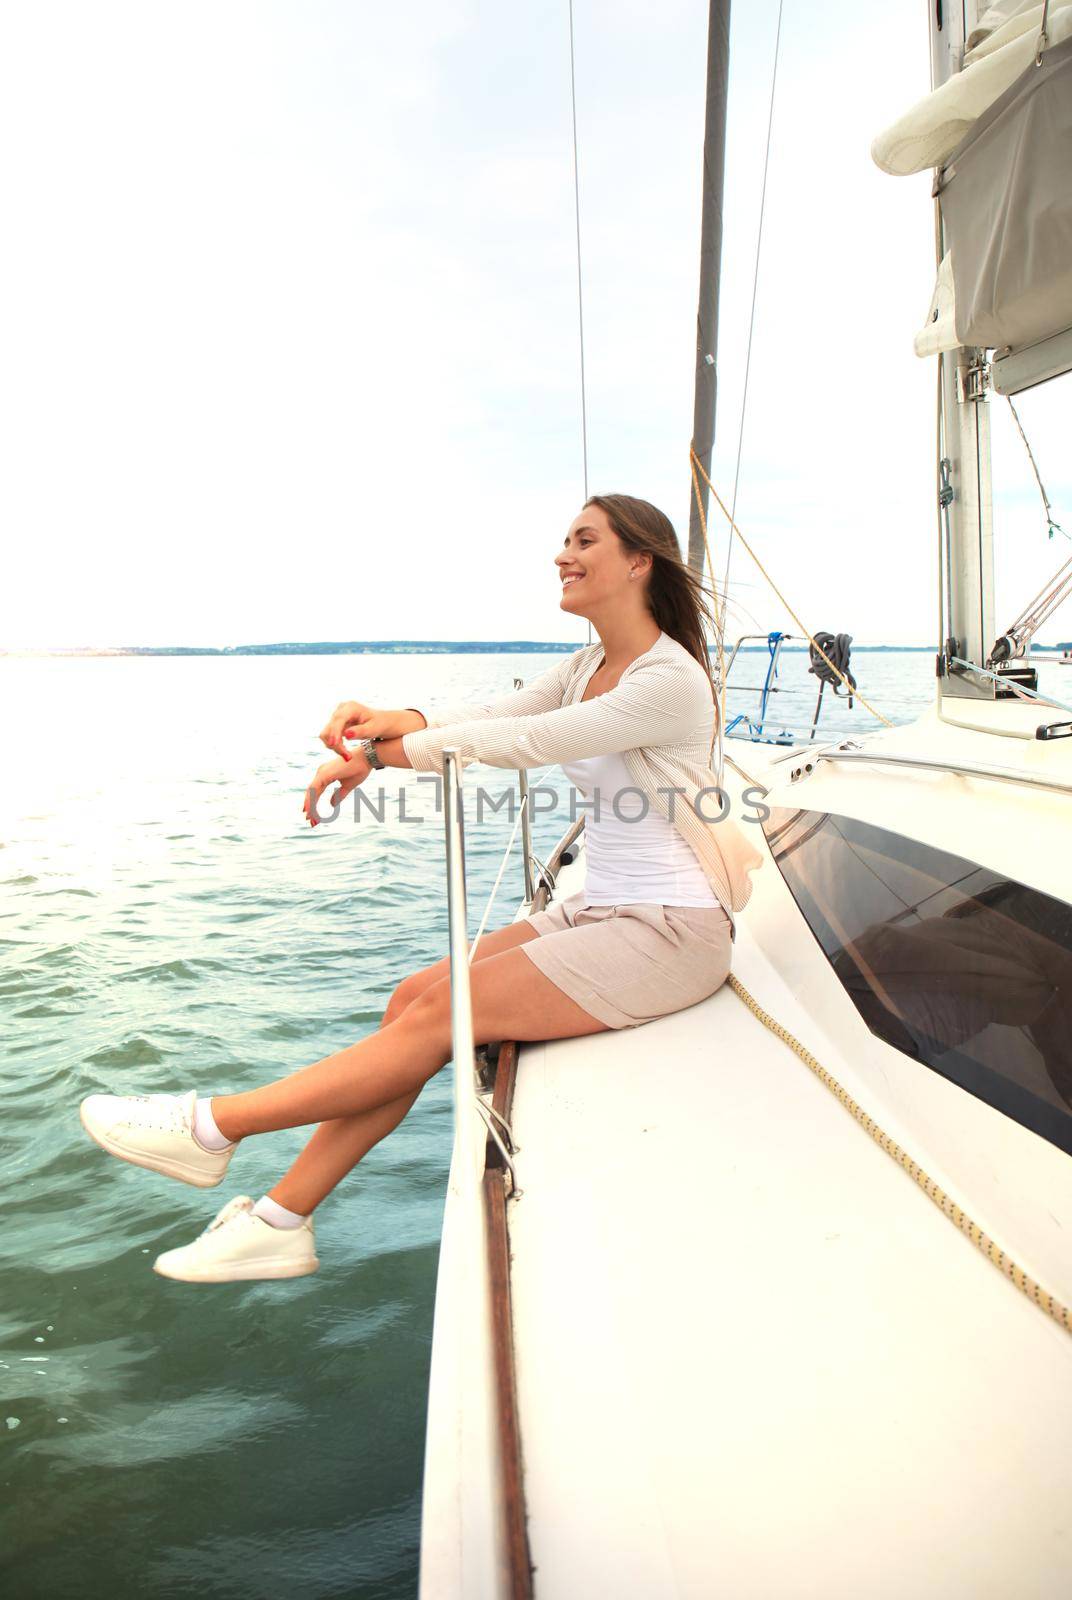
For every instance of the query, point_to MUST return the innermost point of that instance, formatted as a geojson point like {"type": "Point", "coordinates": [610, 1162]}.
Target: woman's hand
{"type": "Point", "coordinates": [346, 771]}
{"type": "Point", "coordinates": [349, 714]}
{"type": "Point", "coordinates": [352, 720]}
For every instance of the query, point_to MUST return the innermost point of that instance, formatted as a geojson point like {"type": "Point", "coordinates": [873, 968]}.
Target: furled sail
{"type": "Point", "coordinates": [1003, 46]}
{"type": "Point", "coordinates": [1000, 133]}
{"type": "Point", "coordinates": [939, 332]}
{"type": "Point", "coordinates": [1006, 198]}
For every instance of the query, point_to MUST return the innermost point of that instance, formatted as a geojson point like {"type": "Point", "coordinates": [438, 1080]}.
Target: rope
{"type": "Point", "coordinates": [838, 645]}
{"type": "Point", "coordinates": [1027, 1285]}
{"type": "Point", "coordinates": [697, 463]}
{"type": "Point", "coordinates": [580, 294]}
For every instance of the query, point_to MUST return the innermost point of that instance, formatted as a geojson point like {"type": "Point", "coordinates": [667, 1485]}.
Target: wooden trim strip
{"type": "Point", "coordinates": [517, 1564]}
{"type": "Point", "coordinates": [517, 1573]}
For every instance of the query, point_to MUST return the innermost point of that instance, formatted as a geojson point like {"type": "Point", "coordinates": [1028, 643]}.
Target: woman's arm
{"type": "Point", "coordinates": [655, 702]}
{"type": "Point", "coordinates": [659, 702]}
{"type": "Point", "coordinates": [352, 720]}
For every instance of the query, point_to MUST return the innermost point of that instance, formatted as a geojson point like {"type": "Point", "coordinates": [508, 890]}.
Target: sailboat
{"type": "Point", "coordinates": [770, 1297]}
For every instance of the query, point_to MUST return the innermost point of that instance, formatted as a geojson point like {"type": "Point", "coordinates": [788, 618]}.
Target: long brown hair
{"type": "Point", "coordinates": [676, 595]}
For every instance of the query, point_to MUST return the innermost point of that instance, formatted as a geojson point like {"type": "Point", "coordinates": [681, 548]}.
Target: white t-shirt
{"type": "Point", "coordinates": [634, 855]}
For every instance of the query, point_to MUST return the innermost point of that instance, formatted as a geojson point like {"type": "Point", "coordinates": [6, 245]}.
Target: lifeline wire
{"type": "Point", "coordinates": [498, 880]}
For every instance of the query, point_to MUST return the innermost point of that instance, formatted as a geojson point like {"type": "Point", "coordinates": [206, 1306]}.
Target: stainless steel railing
{"type": "Point", "coordinates": [468, 1134]}
{"type": "Point", "coordinates": [467, 1088]}
{"type": "Point", "coordinates": [755, 726]}
{"type": "Point", "coordinates": [526, 823]}
{"type": "Point", "coordinates": [470, 1131]}
{"type": "Point", "coordinates": [526, 835]}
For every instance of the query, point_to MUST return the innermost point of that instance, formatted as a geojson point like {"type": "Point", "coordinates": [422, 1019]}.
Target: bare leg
{"type": "Point", "coordinates": [339, 1144]}
{"type": "Point", "coordinates": [396, 1060]}
{"type": "Point", "coordinates": [336, 1147]}
{"type": "Point", "coordinates": [334, 1150]}
{"type": "Point", "coordinates": [512, 999]}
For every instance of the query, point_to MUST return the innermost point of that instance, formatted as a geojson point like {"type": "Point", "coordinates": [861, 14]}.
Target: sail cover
{"type": "Point", "coordinates": [1002, 48]}
{"type": "Point", "coordinates": [1000, 134]}
{"type": "Point", "coordinates": [1006, 199]}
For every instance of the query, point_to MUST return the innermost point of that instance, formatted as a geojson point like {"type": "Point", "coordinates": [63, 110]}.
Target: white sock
{"type": "Point", "coordinates": [278, 1216]}
{"type": "Point", "coordinates": [205, 1130]}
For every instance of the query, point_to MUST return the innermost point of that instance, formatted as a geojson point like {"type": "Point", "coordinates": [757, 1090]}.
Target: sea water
{"type": "Point", "coordinates": [170, 921]}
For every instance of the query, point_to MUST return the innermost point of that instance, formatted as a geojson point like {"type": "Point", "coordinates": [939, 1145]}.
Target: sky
{"type": "Point", "coordinates": [289, 319]}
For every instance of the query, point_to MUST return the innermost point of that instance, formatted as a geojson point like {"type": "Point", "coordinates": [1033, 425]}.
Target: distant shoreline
{"type": "Point", "coordinates": [418, 647]}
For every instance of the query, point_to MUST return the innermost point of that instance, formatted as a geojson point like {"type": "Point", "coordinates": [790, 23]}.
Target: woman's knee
{"type": "Point", "coordinates": [430, 1014]}
{"type": "Point", "coordinates": [413, 987]}
{"type": "Point", "coordinates": [424, 999]}
{"type": "Point", "coordinates": [404, 994]}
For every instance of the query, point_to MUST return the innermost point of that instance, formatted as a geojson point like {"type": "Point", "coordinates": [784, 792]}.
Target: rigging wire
{"type": "Point", "coordinates": [580, 284]}
{"type": "Point", "coordinates": [1050, 523]}
{"type": "Point", "coordinates": [698, 466]}
{"type": "Point", "coordinates": [1017, 638]}
{"type": "Point", "coordinates": [748, 356]}
{"type": "Point", "coordinates": [1019, 689]}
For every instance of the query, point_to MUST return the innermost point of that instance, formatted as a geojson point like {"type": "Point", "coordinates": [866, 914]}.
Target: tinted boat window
{"type": "Point", "coordinates": [965, 970]}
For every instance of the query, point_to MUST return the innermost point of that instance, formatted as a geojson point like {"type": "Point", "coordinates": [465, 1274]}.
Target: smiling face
{"type": "Point", "coordinates": [594, 567]}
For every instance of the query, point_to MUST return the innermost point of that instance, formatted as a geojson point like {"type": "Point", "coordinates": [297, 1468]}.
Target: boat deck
{"type": "Point", "coordinates": [753, 1358]}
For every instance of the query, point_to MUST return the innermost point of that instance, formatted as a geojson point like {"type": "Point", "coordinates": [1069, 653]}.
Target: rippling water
{"type": "Point", "coordinates": [171, 922]}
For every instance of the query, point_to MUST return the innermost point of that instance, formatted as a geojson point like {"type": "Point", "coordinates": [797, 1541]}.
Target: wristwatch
{"type": "Point", "coordinates": [371, 754]}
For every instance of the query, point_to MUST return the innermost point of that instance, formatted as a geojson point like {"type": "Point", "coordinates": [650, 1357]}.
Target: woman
{"type": "Point", "coordinates": [649, 934]}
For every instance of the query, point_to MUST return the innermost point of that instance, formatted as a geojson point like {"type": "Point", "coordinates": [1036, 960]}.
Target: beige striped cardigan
{"type": "Point", "coordinates": [660, 717]}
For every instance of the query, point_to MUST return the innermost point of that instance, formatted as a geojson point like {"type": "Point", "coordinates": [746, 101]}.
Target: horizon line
{"type": "Point", "coordinates": [395, 646]}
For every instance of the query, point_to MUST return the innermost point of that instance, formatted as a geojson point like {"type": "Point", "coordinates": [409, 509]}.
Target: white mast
{"type": "Point", "coordinates": [968, 575]}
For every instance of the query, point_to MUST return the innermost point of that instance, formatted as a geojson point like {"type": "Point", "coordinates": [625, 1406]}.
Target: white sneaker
{"type": "Point", "coordinates": [237, 1244]}
{"type": "Point", "coordinates": [155, 1131]}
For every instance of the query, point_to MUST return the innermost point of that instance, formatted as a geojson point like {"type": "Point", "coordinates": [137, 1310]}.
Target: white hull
{"type": "Point", "coordinates": [753, 1358]}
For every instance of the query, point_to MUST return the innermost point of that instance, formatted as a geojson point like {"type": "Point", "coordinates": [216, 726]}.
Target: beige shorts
{"type": "Point", "coordinates": [629, 964]}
